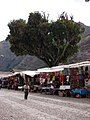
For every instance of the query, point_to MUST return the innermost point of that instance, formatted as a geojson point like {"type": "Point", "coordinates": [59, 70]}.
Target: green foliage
{"type": "Point", "coordinates": [53, 42]}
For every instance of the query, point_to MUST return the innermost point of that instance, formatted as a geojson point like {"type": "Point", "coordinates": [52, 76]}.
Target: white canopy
{"type": "Point", "coordinates": [43, 70]}
{"type": "Point", "coordinates": [50, 69]}
{"type": "Point", "coordinates": [81, 64]}
{"type": "Point", "coordinates": [57, 69]}
{"type": "Point", "coordinates": [6, 74]}
{"type": "Point", "coordinates": [30, 73]}
{"type": "Point", "coordinates": [86, 63]}
{"type": "Point", "coordinates": [61, 67]}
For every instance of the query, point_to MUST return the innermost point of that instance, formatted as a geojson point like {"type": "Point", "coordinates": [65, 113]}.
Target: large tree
{"type": "Point", "coordinates": [87, 0]}
{"type": "Point", "coordinates": [53, 42]}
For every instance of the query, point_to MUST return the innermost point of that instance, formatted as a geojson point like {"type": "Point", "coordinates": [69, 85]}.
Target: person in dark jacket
{"type": "Point", "coordinates": [26, 91]}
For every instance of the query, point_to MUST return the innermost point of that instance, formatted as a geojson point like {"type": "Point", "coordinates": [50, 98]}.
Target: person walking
{"type": "Point", "coordinates": [26, 91]}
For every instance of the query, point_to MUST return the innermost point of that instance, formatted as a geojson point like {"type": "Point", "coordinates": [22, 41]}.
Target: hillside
{"type": "Point", "coordinates": [84, 51]}
{"type": "Point", "coordinates": [8, 60]}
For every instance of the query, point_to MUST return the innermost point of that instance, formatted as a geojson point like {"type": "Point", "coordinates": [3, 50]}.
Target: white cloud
{"type": "Point", "coordinates": [15, 9]}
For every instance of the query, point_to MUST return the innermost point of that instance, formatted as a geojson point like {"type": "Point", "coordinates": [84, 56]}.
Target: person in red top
{"type": "Point", "coordinates": [62, 78]}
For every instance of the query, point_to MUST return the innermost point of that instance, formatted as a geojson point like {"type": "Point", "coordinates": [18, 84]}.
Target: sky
{"type": "Point", "coordinates": [16, 9]}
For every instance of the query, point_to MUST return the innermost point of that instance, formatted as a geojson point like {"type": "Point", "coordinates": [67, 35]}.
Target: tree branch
{"type": "Point", "coordinates": [60, 56]}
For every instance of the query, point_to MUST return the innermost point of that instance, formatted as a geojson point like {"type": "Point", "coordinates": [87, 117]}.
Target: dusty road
{"type": "Point", "coordinates": [42, 107]}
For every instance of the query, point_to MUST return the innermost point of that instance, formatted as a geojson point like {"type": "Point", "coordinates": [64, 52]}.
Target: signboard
{"type": "Point", "coordinates": [65, 87]}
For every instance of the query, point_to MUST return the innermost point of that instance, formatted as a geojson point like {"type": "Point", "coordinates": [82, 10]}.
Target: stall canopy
{"type": "Point", "coordinates": [43, 70]}
{"type": "Point", "coordinates": [86, 63]}
{"type": "Point", "coordinates": [30, 73]}
{"type": "Point", "coordinates": [61, 67]}
{"type": "Point", "coordinates": [81, 64]}
{"type": "Point", "coordinates": [50, 69]}
{"type": "Point", "coordinates": [6, 74]}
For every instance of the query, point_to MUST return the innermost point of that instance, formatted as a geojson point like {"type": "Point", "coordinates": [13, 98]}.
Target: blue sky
{"type": "Point", "coordinates": [15, 9]}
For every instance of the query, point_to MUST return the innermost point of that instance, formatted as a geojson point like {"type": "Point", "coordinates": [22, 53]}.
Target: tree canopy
{"type": "Point", "coordinates": [87, 0]}
{"type": "Point", "coordinates": [52, 41]}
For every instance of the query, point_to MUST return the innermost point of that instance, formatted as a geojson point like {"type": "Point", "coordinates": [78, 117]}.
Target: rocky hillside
{"type": "Point", "coordinates": [8, 60]}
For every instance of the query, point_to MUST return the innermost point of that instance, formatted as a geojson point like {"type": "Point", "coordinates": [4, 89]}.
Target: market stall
{"type": "Point", "coordinates": [65, 78]}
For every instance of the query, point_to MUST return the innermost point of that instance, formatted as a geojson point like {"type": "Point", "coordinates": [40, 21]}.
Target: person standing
{"type": "Point", "coordinates": [26, 91]}
{"type": "Point", "coordinates": [0, 84]}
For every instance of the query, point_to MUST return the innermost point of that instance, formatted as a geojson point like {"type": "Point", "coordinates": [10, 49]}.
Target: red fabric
{"type": "Point", "coordinates": [62, 78]}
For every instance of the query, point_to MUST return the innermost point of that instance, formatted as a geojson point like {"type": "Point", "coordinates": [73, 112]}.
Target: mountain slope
{"type": "Point", "coordinates": [9, 60]}
{"type": "Point", "coordinates": [84, 51]}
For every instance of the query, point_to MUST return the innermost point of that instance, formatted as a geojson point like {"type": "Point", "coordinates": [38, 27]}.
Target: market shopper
{"type": "Point", "coordinates": [26, 91]}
